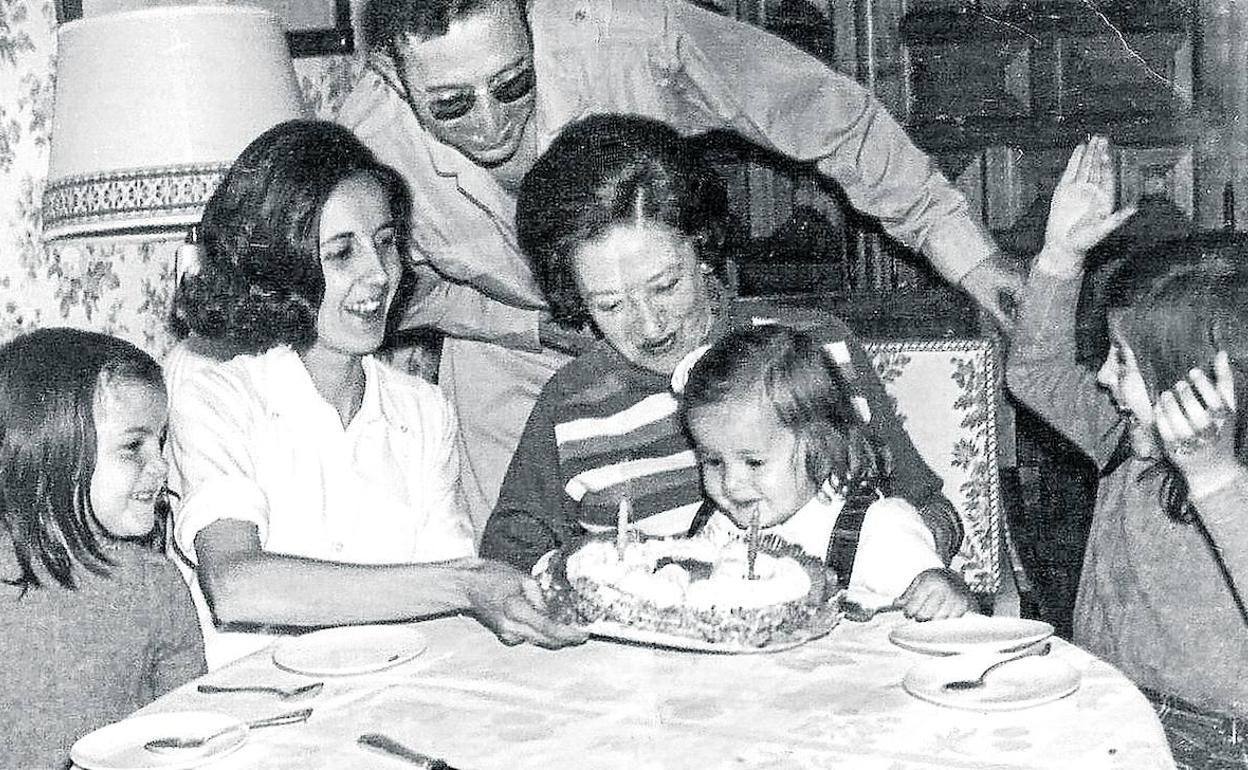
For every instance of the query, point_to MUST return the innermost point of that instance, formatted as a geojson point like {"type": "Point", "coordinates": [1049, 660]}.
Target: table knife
{"type": "Point", "coordinates": [387, 745]}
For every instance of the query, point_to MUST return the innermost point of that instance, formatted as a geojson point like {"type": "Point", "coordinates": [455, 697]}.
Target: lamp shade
{"type": "Point", "coordinates": [152, 107]}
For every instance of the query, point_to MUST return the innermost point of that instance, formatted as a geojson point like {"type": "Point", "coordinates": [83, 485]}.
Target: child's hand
{"type": "Point", "coordinates": [1199, 438]}
{"type": "Point", "coordinates": [935, 594]}
{"type": "Point", "coordinates": [1082, 212]}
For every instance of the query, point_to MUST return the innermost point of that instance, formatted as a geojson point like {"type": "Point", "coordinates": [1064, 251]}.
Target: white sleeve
{"type": "Point", "coordinates": [894, 545]}
{"type": "Point", "coordinates": [447, 533]}
{"type": "Point", "coordinates": [211, 467]}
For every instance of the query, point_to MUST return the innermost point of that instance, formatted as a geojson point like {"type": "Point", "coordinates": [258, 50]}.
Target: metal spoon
{"type": "Point", "coordinates": [859, 614]}
{"type": "Point", "coordinates": [176, 743]}
{"type": "Point", "coordinates": [971, 684]}
{"type": "Point", "coordinates": [285, 693]}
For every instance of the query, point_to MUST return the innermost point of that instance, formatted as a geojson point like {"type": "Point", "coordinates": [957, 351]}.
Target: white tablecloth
{"type": "Point", "coordinates": [834, 703]}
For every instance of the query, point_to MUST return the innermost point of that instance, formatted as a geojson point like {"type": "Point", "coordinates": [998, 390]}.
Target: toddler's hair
{"type": "Point", "coordinates": [805, 387]}
{"type": "Point", "coordinates": [48, 384]}
{"type": "Point", "coordinates": [1176, 315]}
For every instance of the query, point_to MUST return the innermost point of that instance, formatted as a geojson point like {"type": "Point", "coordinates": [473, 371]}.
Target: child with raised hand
{"type": "Point", "coordinates": [1167, 553]}
{"type": "Point", "coordinates": [778, 440]}
{"type": "Point", "coordinates": [94, 623]}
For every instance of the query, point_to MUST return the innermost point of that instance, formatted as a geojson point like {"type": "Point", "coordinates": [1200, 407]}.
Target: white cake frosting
{"type": "Point", "coordinates": [777, 579]}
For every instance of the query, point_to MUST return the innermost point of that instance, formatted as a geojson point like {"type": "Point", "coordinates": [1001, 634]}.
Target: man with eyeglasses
{"type": "Point", "coordinates": [461, 96]}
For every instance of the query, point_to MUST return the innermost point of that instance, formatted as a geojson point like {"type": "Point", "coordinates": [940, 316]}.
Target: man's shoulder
{"type": "Point", "coordinates": [559, 19]}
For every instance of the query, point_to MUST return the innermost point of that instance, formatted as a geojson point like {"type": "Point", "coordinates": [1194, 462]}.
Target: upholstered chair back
{"type": "Point", "coordinates": [947, 392]}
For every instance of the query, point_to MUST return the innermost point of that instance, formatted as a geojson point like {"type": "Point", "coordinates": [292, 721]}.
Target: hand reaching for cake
{"type": "Point", "coordinates": [935, 594]}
{"type": "Point", "coordinates": [510, 604]}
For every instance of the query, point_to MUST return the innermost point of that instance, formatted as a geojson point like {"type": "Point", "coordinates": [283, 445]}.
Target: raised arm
{"type": "Point", "coordinates": [1041, 369]}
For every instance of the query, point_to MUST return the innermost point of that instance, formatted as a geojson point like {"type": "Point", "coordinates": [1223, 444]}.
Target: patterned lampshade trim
{"type": "Point", "coordinates": [145, 199]}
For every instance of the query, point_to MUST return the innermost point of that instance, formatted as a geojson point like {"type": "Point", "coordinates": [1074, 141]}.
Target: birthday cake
{"type": "Point", "coordinates": [696, 588]}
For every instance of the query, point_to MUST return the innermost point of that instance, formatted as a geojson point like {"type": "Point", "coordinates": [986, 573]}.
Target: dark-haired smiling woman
{"type": "Point", "coordinates": [317, 485]}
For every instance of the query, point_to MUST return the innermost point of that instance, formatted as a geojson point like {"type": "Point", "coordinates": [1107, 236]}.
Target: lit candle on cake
{"type": "Point", "coordinates": [751, 553]}
{"type": "Point", "coordinates": [624, 513]}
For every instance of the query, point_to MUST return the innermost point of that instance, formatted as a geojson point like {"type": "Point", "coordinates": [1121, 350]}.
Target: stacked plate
{"type": "Point", "coordinates": [970, 644]}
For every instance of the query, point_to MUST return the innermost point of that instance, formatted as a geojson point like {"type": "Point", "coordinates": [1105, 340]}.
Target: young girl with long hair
{"type": "Point", "coordinates": [94, 622]}
{"type": "Point", "coordinates": [1167, 556]}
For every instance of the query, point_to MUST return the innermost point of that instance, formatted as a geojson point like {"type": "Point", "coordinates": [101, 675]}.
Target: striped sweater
{"type": "Point", "coordinates": [603, 429]}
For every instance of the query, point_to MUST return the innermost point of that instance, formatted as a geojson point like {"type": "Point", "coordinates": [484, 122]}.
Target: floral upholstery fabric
{"type": "Point", "coordinates": [119, 286]}
{"type": "Point", "coordinates": [947, 393]}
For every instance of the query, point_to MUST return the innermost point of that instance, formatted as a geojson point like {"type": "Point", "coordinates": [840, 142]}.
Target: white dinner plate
{"type": "Point", "coordinates": [1019, 684]}
{"type": "Point", "coordinates": [349, 650]}
{"type": "Point", "coordinates": [119, 746]}
{"type": "Point", "coordinates": [970, 633]}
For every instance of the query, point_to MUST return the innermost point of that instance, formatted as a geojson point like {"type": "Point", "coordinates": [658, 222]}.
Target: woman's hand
{"type": "Point", "coordinates": [935, 594]}
{"type": "Point", "coordinates": [510, 604]}
{"type": "Point", "coordinates": [1196, 422]}
{"type": "Point", "coordinates": [1081, 212]}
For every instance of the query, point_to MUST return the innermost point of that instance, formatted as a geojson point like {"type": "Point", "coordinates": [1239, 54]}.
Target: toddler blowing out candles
{"type": "Point", "coordinates": [93, 623]}
{"type": "Point", "coordinates": [777, 437]}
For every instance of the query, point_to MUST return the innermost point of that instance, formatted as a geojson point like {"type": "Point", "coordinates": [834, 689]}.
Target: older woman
{"type": "Point", "coordinates": [626, 232]}
{"type": "Point", "coordinates": [317, 486]}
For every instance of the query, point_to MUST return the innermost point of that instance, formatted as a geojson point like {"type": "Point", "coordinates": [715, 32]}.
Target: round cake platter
{"type": "Point", "coordinates": [562, 599]}
{"type": "Point", "coordinates": [606, 629]}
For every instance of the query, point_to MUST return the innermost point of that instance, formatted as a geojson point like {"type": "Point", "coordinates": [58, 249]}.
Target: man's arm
{"type": "Point", "coordinates": [460, 310]}
{"type": "Point", "coordinates": [781, 97]}
{"type": "Point", "coordinates": [700, 71]}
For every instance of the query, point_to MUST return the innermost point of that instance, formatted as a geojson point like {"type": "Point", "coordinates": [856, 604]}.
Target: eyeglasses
{"type": "Point", "coordinates": [507, 91]}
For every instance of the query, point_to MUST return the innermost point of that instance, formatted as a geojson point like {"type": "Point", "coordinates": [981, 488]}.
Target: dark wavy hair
{"type": "Point", "coordinates": [48, 384]}
{"type": "Point", "coordinates": [261, 282]}
{"type": "Point", "coordinates": [808, 392]}
{"type": "Point", "coordinates": [607, 170]}
{"type": "Point", "coordinates": [1176, 314]}
{"type": "Point", "coordinates": [384, 22]}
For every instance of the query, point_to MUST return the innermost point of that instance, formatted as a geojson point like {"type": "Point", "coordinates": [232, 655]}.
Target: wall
{"type": "Point", "coordinates": [117, 286]}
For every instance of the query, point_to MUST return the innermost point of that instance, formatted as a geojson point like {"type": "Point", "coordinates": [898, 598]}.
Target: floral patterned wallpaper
{"type": "Point", "coordinates": [117, 286]}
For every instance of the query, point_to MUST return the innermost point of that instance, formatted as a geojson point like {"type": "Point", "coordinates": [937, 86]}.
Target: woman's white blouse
{"type": "Point", "coordinates": [251, 439]}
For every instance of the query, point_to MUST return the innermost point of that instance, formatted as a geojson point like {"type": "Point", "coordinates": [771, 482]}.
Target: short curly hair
{"type": "Point", "coordinates": [385, 22]}
{"type": "Point", "coordinates": [606, 170]}
{"type": "Point", "coordinates": [261, 282]}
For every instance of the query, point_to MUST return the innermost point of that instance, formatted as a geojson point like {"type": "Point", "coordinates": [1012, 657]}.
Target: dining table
{"type": "Point", "coordinates": [837, 701]}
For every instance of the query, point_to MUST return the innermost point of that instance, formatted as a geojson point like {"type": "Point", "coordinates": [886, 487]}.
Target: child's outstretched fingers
{"type": "Point", "coordinates": [1081, 212]}
{"type": "Point", "coordinates": [1196, 424]}
{"type": "Point", "coordinates": [1225, 379]}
